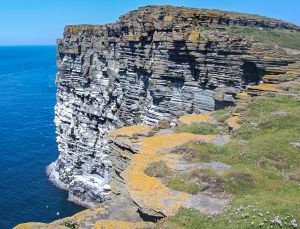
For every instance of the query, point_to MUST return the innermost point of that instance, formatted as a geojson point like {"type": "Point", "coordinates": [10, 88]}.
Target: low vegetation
{"type": "Point", "coordinates": [282, 37]}
{"type": "Point", "coordinates": [172, 179]}
{"type": "Point", "coordinates": [245, 216]}
{"type": "Point", "coordinates": [158, 169]}
{"type": "Point", "coordinates": [265, 158]}
{"type": "Point", "coordinates": [223, 114]}
{"type": "Point", "coordinates": [71, 224]}
{"type": "Point", "coordinates": [180, 183]}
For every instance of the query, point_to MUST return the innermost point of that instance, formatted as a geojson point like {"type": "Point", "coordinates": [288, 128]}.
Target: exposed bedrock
{"type": "Point", "coordinates": [155, 63]}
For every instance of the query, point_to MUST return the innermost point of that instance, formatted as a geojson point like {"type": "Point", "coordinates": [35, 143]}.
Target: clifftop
{"type": "Point", "coordinates": [183, 18]}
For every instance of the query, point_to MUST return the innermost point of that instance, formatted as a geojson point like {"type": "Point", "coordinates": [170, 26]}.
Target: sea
{"type": "Point", "coordinates": [27, 137]}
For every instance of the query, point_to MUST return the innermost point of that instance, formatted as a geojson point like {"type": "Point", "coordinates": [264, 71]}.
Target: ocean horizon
{"type": "Point", "coordinates": [27, 137]}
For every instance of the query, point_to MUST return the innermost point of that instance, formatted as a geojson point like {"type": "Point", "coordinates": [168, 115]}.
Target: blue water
{"type": "Point", "coordinates": [27, 137]}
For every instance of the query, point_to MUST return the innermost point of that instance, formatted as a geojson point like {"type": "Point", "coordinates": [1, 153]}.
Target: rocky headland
{"type": "Point", "coordinates": [124, 87]}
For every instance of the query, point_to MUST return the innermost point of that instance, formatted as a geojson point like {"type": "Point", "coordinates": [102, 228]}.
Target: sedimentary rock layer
{"type": "Point", "coordinates": [155, 63]}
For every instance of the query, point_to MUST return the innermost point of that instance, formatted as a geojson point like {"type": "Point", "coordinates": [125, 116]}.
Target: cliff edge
{"type": "Point", "coordinates": [154, 64]}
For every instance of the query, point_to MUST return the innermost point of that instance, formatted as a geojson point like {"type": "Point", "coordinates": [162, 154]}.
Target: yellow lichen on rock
{"type": "Point", "coordinates": [242, 95]}
{"type": "Point", "coordinates": [154, 145]}
{"type": "Point", "coordinates": [39, 226]}
{"type": "Point", "coordinates": [276, 79]}
{"type": "Point", "coordinates": [168, 18]}
{"type": "Point", "coordinates": [194, 37]}
{"type": "Point", "coordinates": [73, 29]}
{"type": "Point", "coordinates": [132, 37]}
{"type": "Point", "coordinates": [114, 224]}
{"type": "Point", "coordinates": [149, 192]}
{"type": "Point", "coordinates": [265, 87]}
{"type": "Point", "coordinates": [232, 122]}
{"type": "Point", "coordinates": [194, 118]}
{"type": "Point", "coordinates": [80, 216]}
{"type": "Point", "coordinates": [130, 131]}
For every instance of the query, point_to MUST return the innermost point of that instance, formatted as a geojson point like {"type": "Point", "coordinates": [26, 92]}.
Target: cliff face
{"type": "Point", "coordinates": [154, 64]}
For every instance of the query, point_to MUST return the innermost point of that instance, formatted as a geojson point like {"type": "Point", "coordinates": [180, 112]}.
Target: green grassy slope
{"type": "Point", "coordinates": [265, 178]}
{"type": "Point", "coordinates": [285, 38]}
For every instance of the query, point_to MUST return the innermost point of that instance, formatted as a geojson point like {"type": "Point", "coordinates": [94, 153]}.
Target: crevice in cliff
{"type": "Point", "coordinates": [151, 218]}
{"type": "Point", "coordinates": [251, 74]}
{"type": "Point", "coordinates": [223, 104]}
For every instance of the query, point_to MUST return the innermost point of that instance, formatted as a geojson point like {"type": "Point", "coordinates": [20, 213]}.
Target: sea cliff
{"type": "Point", "coordinates": [122, 89]}
{"type": "Point", "coordinates": [155, 63]}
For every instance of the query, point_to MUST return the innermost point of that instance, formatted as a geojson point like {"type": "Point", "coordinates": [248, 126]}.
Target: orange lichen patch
{"type": "Point", "coordinates": [168, 18]}
{"type": "Point", "coordinates": [232, 122]}
{"type": "Point", "coordinates": [113, 224]}
{"type": "Point", "coordinates": [150, 192]}
{"type": "Point", "coordinates": [86, 213]}
{"type": "Point", "coordinates": [38, 226]}
{"type": "Point", "coordinates": [129, 131]}
{"type": "Point", "coordinates": [73, 29]}
{"type": "Point", "coordinates": [156, 144]}
{"type": "Point", "coordinates": [265, 87]}
{"type": "Point", "coordinates": [279, 78]}
{"type": "Point", "coordinates": [194, 36]}
{"type": "Point", "coordinates": [293, 72]}
{"type": "Point", "coordinates": [82, 216]}
{"type": "Point", "coordinates": [192, 118]}
{"type": "Point", "coordinates": [242, 95]}
{"type": "Point", "coordinates": [270, 76]}
{"type": "Point", "coordinates": [131, 37]}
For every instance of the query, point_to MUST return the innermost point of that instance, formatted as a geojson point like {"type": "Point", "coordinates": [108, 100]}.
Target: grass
{"type": "Point", "coordinates": [172, 180]}
{"type": "Point", "coordinates": [248, 216]}
{"type": "Point", "coordinates": [236, 14]}
{"type": "Point", "coordinates": [282, 37]}
{"type": "Point", "coordinates": [158, 169]}
{"type": "Point", "coordinates": [223, 114]}
{"type": "Point", "coordinates": [265, 167]}
{"type": "Point", "coordinates": [201, 152]}
{"type": "Point", "coordinates": [191, 181]}
{"type": "Point", "coordinates": [179, 183]}
{"type": "Point", "coordinates": [295, 89]}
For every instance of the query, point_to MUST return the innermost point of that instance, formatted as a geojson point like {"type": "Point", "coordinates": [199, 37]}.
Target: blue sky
{"type": "Point", "coordinates": [40, 22]}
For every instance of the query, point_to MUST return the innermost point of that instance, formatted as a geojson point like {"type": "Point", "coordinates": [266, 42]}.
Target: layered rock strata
{"type": "Point", "coordinates": [155, 63]}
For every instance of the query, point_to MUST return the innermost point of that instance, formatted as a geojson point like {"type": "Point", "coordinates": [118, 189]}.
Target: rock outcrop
{"type": "Point", "coordinates": [152, 197]}
{"type": "Point", "coordinates": [155, 63]}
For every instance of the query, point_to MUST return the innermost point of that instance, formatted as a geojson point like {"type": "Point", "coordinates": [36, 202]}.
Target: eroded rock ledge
{"type": "Point", "coordinates": [155, 63]}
